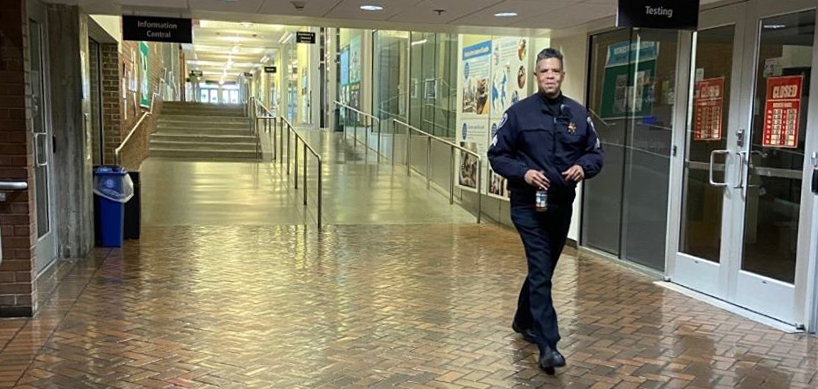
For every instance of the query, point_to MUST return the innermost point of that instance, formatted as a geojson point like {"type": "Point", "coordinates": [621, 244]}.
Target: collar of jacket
{"type": "Point", "coordinates": [565, 110]}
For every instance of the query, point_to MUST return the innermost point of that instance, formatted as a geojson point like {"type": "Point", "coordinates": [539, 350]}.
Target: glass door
{"type": "Point", "coordinates": [713, 129]}
{"type": "Point", "coordinates": [770, 250]}
{"type": "Point", "coordinates": [46, 250]}
{"type": "Point", "coordinates": [745, 205]}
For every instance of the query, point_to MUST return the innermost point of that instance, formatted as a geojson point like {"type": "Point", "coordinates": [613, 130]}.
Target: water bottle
{"type": "Point", "coordinates": [541, 202]}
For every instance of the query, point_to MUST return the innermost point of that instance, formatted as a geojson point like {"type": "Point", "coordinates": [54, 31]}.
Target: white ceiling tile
{"type": "Point", "coordinates": [155, 3]}
{"type": "Point", "coordinates": [523, 8]}
{"type": "Point", "coordinates": [424, 12]}
{"type": "Point", "coordinates": [237, 6]}
{"type": "Point", "coordinates": [570, 16]}
{"type": "Point", "coordinates": [351, 9]}
{"type": "Point", "coordinates": [313, 8]}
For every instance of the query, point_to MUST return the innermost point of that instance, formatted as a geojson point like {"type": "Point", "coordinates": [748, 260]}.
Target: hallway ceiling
{"type": "Point", "coordinates": [534, 17]}
{"type": "Point", "coordinates": [223, 50]}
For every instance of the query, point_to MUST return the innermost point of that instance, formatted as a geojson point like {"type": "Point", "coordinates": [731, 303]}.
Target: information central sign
{"type": "Point", "coordinates": [782, 112]}
{"type": "Point", "coordinates": [708, 101]}
{"type": "Point", "coordinates": [146, 28]}
{"type": "Point", "coordinates": [664, 14]}
{"type": "Point", "coordinates": [305, 37]}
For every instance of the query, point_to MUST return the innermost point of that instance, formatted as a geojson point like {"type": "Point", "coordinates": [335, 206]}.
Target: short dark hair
{"type": "Point", "coordinates": [551, 53]}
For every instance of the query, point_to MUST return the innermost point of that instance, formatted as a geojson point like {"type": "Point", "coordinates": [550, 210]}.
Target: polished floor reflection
{"type": "Point", "coordinates": [359, 306]}
{"type": "Point", "coordinates": [212, 298]}
{"type": "Point", "coordinates": [356, 190]}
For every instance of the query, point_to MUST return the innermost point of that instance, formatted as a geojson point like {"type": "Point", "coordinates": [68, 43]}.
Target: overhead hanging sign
{"type": "Point", "coordinates": [270, 69]}
{"type": "Point", "coordinates": [662, 14]}
{"type": "Point", "coordinates": [196, 73]}
{"type": "Point", "coordinates": [708, 102]}
{"type": "Point", "coordinates": [305, 37]}
{"type": "Point", "coordinates": [782, 112]}
{"type": "Point", "coordinates": [147, 28]}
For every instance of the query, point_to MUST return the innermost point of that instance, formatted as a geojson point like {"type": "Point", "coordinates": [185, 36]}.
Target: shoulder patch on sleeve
{"type": "Point", "coordinates": [503, 121]}
{"type": "Point", "coordinates": [592, 128]}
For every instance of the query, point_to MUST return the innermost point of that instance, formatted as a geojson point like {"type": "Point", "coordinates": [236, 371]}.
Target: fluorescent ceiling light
{"type": "Point", "coordinates": [285, 38]}
{"type": "Point", "coordinates": [420, 42]}
{"type": "Point", "coordinates": [505, 14]}
{"type": "Point", "coordinates": [774, 26]}
{"type": "Point", "coordinates": [371, 7]}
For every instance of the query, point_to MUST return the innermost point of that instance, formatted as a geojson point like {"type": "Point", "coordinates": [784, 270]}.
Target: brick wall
{"type": "Point", "coordinates": [93, 64]}
{"type": "Point", "coordinates": [136, 150]}
{"type": "Point", "coordinates": [17, 212]}
{"type": "Point", "coordinates": [111, 99]}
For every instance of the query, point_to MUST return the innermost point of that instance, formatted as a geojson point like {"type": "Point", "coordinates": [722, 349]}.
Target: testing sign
{"type": "Point", "coordinates": [782, 112]}
{"type": "Point", "coordinates": [708, 102]}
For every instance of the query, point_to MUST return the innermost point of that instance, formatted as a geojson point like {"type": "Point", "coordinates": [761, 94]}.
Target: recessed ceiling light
{"type": "Point", "coordinates": [505, 14]}
{"type": "Point", "coordinates": [371, 7]}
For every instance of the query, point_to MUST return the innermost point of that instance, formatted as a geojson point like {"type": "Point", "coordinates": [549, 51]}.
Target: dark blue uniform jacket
{"type": "Point", "coordinates": [530, 137]}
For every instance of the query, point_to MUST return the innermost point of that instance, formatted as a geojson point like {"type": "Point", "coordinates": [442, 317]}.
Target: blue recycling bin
{"type": "Point", "coordinates": [113, 188]}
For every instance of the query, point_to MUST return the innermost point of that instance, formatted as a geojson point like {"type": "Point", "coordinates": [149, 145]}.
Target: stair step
{"type": "Point", "coordinates": [203, 118]}
{"type": "Point", "coordinates": [203, 138]}
{"type": "Point", "coordinates": [178, 104]}
{"type": "Point", "coordinates": [204, 126]}
{"type": "Point", "coordinates": [203, 131]}
{"type": "Point", "coordinates": [203, 146]}
{"type": "Point", "coordinates": [203, 155]}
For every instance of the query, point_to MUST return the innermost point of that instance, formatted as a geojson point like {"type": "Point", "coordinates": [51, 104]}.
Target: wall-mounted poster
{"type": "Point", "coordinates": [144, 76]}
{"type": "Point", "coordinates": [497, 184]}
{"type": "Point", "coordinates": [355, 60]}
{"type": "Point", "coordinates": [510, 75]}
{"type": "Point", "coordinates": [344, 66]}
{"type": "Point", "coordinates": [708, 101]}
{"type": "Point", "coordinates": [475, 72]}
{"type": "Point", "coordinates": [628, 92]}
{"type": "Point", "coordinates": [471, 135]}
{"type": "Point", "coordinates": [782, 111]}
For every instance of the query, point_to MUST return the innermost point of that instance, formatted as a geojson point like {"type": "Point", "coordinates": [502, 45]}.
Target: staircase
{"type": "Point", "coordinates": [203, 132]}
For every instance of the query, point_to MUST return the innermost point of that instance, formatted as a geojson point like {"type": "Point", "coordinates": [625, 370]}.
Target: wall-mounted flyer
{"type": "Point", "coordinates": [472, 133]}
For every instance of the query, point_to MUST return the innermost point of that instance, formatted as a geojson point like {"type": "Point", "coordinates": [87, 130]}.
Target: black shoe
{"type": "Point", "coordinates": [549, 359]}
{"type": "Point", "coordinates": [528, 334]}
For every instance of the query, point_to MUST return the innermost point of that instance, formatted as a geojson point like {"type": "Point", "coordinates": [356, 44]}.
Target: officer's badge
{"type": "Point", "coordinates": [572, 128]}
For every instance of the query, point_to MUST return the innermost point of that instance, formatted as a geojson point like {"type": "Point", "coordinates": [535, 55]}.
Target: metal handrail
{"type": "Point", "coordinates": [366, 115]}
{"type": "Point", "coordinates": [307, 147]}
{"type": "Point", "coordinates": [13, 185]}
{"type": "Point", "coordinates": [454, 147]}
{"type": "Point", "coordinates": [149, 112]}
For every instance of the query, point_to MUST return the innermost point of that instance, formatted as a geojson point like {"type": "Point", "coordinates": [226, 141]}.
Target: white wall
{"type": "Point", "coordinates": [111, 24]}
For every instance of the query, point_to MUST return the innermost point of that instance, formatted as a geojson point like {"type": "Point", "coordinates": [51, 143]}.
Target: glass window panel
{"type": "Point", "coordinates": [702, 202]}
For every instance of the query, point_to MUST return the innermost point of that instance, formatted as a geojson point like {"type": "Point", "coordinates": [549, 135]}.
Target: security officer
{"type": "Point", "coordinates": [546, 141]}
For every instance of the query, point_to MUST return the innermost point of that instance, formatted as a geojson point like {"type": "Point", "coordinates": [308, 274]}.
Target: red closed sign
{"type": "Point", "coordinates": [782, 112]}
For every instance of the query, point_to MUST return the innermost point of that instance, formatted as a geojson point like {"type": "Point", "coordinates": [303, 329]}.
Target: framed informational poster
{"type": "Point", "coordinates": [782, 111]}
{"type": "Point", "coordinates": [355, 60]}
{"type": "Point", "coordinates": [630, 72]}
{"type": "Point", "coordinates": [475, 72]}
{"type": "Point", "coordinates": [510, 74]}
{"type": "Point", "coordinates": [708, 102]}
{"type": "Point", "coordinates": [472, 137]}
{"type": "Point", "coordinates": [144, 76]}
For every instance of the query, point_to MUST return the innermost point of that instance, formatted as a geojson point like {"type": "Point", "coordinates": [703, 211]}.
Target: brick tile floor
{"type": "Point", "coordinates": [408, 306]}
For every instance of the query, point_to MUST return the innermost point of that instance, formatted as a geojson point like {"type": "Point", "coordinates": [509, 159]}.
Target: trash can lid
{"type": "Point", "coordinates": [110, 170]}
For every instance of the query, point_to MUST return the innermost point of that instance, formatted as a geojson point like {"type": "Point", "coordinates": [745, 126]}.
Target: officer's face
{"type": "Point", "coordinates": [549, 76]}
